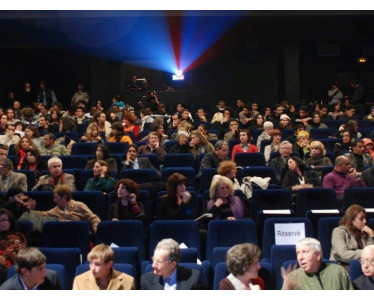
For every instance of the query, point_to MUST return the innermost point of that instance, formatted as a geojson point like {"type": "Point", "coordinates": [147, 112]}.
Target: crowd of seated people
{"type": "Point", "coordinates": [34, 137]}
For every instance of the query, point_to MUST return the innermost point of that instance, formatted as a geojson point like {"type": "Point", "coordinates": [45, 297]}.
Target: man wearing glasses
{"type": "Point", "coordinates": [342, 177]}
{"type": "Point", "coordinates": [9, 137]}
{"type": "Point", "coordinates": [167, 275]}
{"type": "Point", "coordinates": [366, 281]}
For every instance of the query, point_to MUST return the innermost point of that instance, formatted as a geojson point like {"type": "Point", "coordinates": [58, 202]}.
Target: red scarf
{"type": "Point", "coordinates": [22, 155]}
{"type": "Point", "coordinates": [59, 180]}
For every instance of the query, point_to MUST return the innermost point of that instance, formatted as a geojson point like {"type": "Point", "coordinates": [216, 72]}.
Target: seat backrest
{"type": "Point", "coordinates": [269, 232]}
{"type": "Point", "coordinates": [270, 199]}
{"type": "Point", "coordinates": [355, 270]}
{"type": "Point", "coordinates": [74, 161]}
{"type": "Point", "coordinates": [44, 200]}
{"type": "Point", "coordinates": [206, 177]}
{"type": "Point", "coordinates": [68, 257]}
{"type": "Point", "coordinates": [182, 231]}
{"type": "Point", "coordinates": [69, 234]}
{"type": "Point", "coordinates": [122, 233]}
{"type": "Point", "coordinates": [139, 175]}
{"type": "Point", "coordinates": [250, 159]}
{"type": "Point", "coordinates": [94, 200]}
{"type": "Point", "coordinates": [83, 148]}
{"type": "Point", "coordinates": [178, 160]}
{"type": "Point", "coordinates": [358, 195]}
{"type": "Point", "coordinates": [30, 175]}
{"type": "Point", "coordinates": [280, 254]}
{"type": "Point", "coordinates": [189, 172]}
{"type": "Point", "coordinates": [325, 227]}
{"type": "Point", "coordinates": [224, 233]}
{"type": "Point", "coordinates": [117, 147]}
{"type": "Point", "coordinates": [154, 158]}
{"type": "Point", "coordinates": [315, 198]}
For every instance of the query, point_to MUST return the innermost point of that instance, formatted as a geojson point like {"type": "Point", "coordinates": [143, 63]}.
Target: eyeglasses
{"type": "Point", "coordinates": [368, 260]}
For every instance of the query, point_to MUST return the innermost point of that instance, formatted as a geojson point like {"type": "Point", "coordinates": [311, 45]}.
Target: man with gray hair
{"type": "Point", "coordinates": [10, 179]}
{"type": "Point", "coordinates": [366, 280]}
{"type": "Point", "coordinates": [167, 275]}
{"type": "Point", "coordinates": [213, 159]}
{"type": "Point", "coordinates": [55, 177]}
{"type": "Point", "coordinates": [342, 177]}
{"type": "Point", "coordinates": [313, 274]}
{"type": "Point", "coordinates": [278, 163]}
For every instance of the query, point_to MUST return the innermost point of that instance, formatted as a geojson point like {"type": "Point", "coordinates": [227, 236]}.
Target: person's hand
{"type": "Point", "coordinates": [157, 145]}
{"type": "Point", "coordinates": [115, 219]}
{"type": "Point", "coordinates": [218, 202]}
{"type": "Point", "coordinates": [307, 186]}
{"type": "Point", "coordinates": [104, 171]}
{"type": "Point", "coordinates": [254, 286]}
{"type": "Point", "coordinates": [132, 197]}
{"type": "Point", "coordinates": [287, 283]}
{"type": "Point", "coordinates": [83, 138]}
{"type": "Point", "coordinates": [30, 204]}
{"type": "Point", "coordinates": [368, 230]}
{"type": "Point", "coordinates": [341, 128]}
{"type": "Point", "coordinates": [231, 218]}
{"type": "Point", "coordinates": [186, 196]}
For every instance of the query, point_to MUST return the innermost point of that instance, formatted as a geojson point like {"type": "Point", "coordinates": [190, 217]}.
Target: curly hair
{"type": "Point", "coordinates": [241, 256]}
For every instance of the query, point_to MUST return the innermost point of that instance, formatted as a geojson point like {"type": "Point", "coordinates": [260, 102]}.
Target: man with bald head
{"type": "Point", "coordinates": [366, 281]}
{"type": "Point", "coordinates": [342, 177]}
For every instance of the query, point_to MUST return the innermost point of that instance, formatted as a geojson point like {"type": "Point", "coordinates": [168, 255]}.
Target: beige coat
{"type": "Point", "coordinates": [119, 281]}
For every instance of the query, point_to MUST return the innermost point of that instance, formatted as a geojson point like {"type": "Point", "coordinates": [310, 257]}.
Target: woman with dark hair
{"type": "Point", "coordinates": [20, 150]}
{"type": "Point", "coordinates": [257, 122]}
{"type": "Point", "coordinates": [55, 116]}
{"type": "Point", "coordinates": [118, 135]}
{"type": "Point", "coordinates": [297, 177]}
{"type": "Point", "coordinates": [244, 145]}
{"type": "Point", "coordinates": [352, 127]}
{"type": "Point", "coordinates": [351, 236]}
{"type": "Point", "coordinates": [126, 207]}
{"type": "Point", "coordinates": [32, 132]}
{"type": "Point", "coordinates": [34, 162]}
{"type": "Point", "coordinates": [3, 123]}
{"type": "Point", "coordinates": [101, 122]}
{"type": "Point", "coordinates": [128, 122]}
{"type": "Point", "coordinates": [67, 124]}
{"type": "Point", "coordinates": [243, 263]}
{"type": "Point", "coordinates": [345, 145]}
{"type": "Point", "coordinates": [336, 113]}
{"type": "Point", "coordinates": [102, 153]}
{"type": "Point", "coordinates": [101, 181]}
{"type": "Point", "coordinates": [11, 241]}
{"type": "Point", "coordinates": [316, 123]}
{"type": "Point", "coordinates": [176, 205]}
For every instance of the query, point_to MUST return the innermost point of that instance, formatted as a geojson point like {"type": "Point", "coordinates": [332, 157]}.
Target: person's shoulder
{"type": "Point", "coordinates": [12, 283]}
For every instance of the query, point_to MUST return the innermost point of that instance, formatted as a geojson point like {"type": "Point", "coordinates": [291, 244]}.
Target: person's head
{"type": "Point", "coordinates": [244, 258]}
{"type": "Point", "coordinates": [153, 138]}
{"type": "Point", "coordinates": [80, 112]}
{"type": "Point", "coordinates": [62, 195]}
{"type": "Point", "coordinates": [276, 136]}
{"type": "Point", "coordinates": [227, 114]}
{"type": "Point", "coordinates": [33, 155]}
{"type": "Point", "coordinates": [198, 139]}
{"type": "Point", "coordinates": [124, 187]}
{"type": "Point", "coordinates": [176, 185]}
{"type": "Point", "coordinates": [180, 107]}
{"type": "Point", "coordinates": [246, 110]}
{"type": "Point", "coordinates": [285, 149]}
{"type": "Point", "coordinates": [182, 137]}
{"type": "Point", "coordinates": [55, 114]}
{"type": "Point", "coordinates": [100, 117]}
{"type": "Point", "coordinates": [128, 118]}
{"type": "Point", "coordinates": [4, 120]}
{"type": "Point", "coordinates": [346, 136]}
{"type": "Point", "coordinates": [185, 114]}
{"type": "Point", "coordinates": [303, 112]}
{"type": "Point", "coordinates": [367, 261]}
{"type": "Point", "coordinates": [24, 144]}
{"type": "Point", "coordinates": [342, 164]}
{"type": "Point", "coordinates": [351, 126]}
{"type": "Point", "coordinates": [32, 131]}
{"type": "Point", "coordinates": [299, 127]}
{"type": "Point", "coordinates": [221, 148]}
{"type": "Point", "coordinates": [221, 103]}
{"type": "Point", "coordinates": [316, 118]}
{"type": "Point", "coordinates": [268, 127]}
{"type": "Point", "coordinates": [201, 112]}
{"type": "Point", "coordinates": [166, 257]}
{"type": "Point", "coordinates": [371, 111]}
{"type": "Point", "coordinates": [303, 137]}
{"type": "Point", "coordinates": [254, 106]}
{"type": "Point", "coordinates": [368, 143]}
{"type": "Point", "coordinates": [101, 259]}
{"type": "Point", "coordinates": [284, 120]}
{"type": "Point", "coordinates": [3, 151]}
{"type": "Point", "coordinates": [7, 222]}
{"type": "Point", "coordinates": [317, 148]}
{"type": "Point", "coordinates": [99, 166]}
{"type": "Point", "coordinates": [30, 265]}
{"type": "Point", "coordinates": [49, 139]}
{"type": "Point", "coordinates": [259, 120]}
{"type": "Point", "coordinates": [239, 103]}
{"type": "Point", "coordinates": [132, 152]}
{"type": "Point", "coordinates": [278, 110]}
{"type": "Point", "coordinates": [354, 218]}
{"type": "Point", "coordinates": [221, 187]}
{"type": "Point", "coordinates": [309, 254]}
{"type": "Point", "coordinates": [117, 128]}
{"type": "Point", "coordinates": [350, 111]}
{"type": "Point", "coordinates": [358, 147]}
{"type": "Point", "coordinates": [227, 168]}
{"type": "Point", "coordinates": [102, 152]}
{"type": "Point", "coordinates": [234, 125]}
{"type": "Point", "coordinates": [244, 136]}
{"type": "Point", "coordinates": [295, 164]}
{"type": "Point", "coordinates": [10, 114]}
{"type": "Point", "coordinates": [55, 166]}
{"type": "Point", "coordinates": [6, 166]}
{"type": "Point", "coordinates": [10, 129]}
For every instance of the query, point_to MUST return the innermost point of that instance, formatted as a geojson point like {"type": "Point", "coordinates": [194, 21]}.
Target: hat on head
{"type": "Point", "coordinates": [284, 116]}
{"type": "Point", "coordinates": [117, 125]}
{"type": "Point", "coordinates": [367, 141]}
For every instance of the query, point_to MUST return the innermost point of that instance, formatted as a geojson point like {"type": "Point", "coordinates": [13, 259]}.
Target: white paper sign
{"type": "Point", "coordinates": [288, 233]}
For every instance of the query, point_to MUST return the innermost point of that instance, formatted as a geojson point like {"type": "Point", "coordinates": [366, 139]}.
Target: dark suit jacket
{"type": "Point", "coordinates": [278, 164]}
{"type": "Point", "coordinates": [15, 180]}
{"type": "Point", "coordinates": [368, 176]}
{"type": "Point", "coordinates": [363, 283]}
{"type": "Point", "coordinates": [144, 163]}
{"type": "Point", "coordinates": [51, 282]}
{"type": "Point", "coordinates": [187, 279]}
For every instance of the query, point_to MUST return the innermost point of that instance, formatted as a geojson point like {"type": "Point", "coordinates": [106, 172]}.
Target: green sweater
{"type": "Point", "coordinates": [105, 185]}
{"type": "Point", "coordinates": [329, 277]}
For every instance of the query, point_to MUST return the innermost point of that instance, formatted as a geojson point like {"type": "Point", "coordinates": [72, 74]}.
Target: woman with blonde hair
{"type": "Point", "coordinates": [223, 204]}
{"type": "Point", "coordinates": [200, 144]}
{"type": "Point", "coordinates": [92, 134]}
{"type": "Point", "coordinates": [351, 236]}
{"type": "Point", "coordinates": [302, 144]}
{"type": "Point", "coordinates": [318, 158]}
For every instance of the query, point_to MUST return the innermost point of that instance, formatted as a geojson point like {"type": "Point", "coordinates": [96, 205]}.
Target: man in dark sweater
{"type": "Point", "coordinates": [212, 159]}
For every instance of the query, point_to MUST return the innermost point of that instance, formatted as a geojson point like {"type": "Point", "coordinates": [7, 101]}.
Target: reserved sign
{"type": "Point", "coordinates": [288, 233]}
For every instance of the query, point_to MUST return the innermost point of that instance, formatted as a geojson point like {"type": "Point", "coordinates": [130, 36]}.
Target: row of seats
{"type": "Point", "coordinates": [67, 243]}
